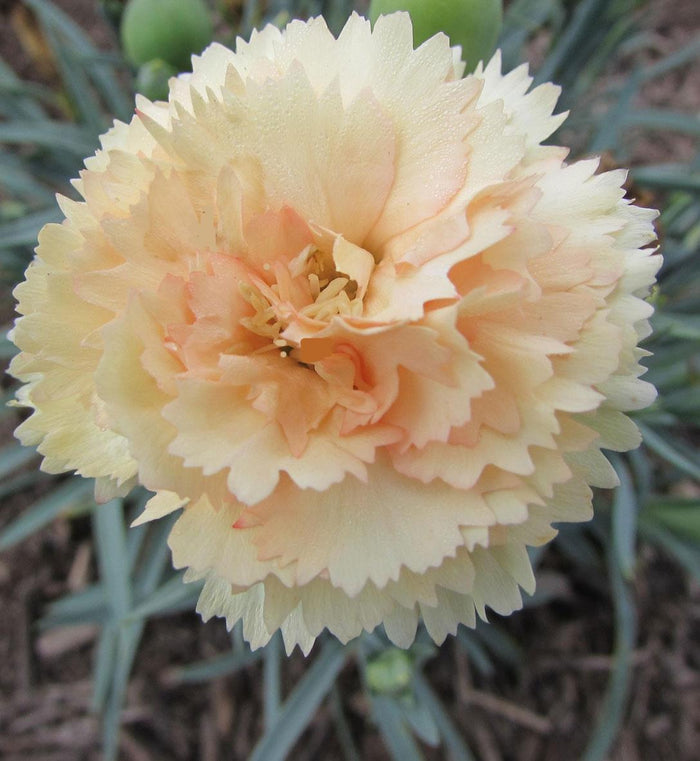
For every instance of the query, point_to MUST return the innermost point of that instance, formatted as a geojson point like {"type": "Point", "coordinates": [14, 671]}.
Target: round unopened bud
{"type": "Point", "coordinates": [152, 79]}
{"type": "Point", "coordinates": [171, 30]}
{"type": "Point", "coordinates": [473, 24]}
{"type": "Point", "coordinates": [389, 672]}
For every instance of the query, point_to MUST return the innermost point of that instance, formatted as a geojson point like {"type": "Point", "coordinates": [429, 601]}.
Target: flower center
{"type": "Point", "coordinates": [307, 290]}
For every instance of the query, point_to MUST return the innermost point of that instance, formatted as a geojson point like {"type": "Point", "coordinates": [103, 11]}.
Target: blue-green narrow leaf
{"type": "Point", "coordinates": [97, 64]}
{"type": "Point", "coordinates": [667, 176]}
{"type": "Point", "coordinates": [112, 556]}
{"type": "Point", "coordinates": [14, 456]}
{"type": "Point", "coordinates": [672, 452]}
{"type": "Point", "coordinates": [624, 519]}
{"type": "Point", "coordinates": [50, 134]}
{"type": "Point", "coordinates": [392, 725]}
{"type": "Point", "coordinates": [272, 659]}
{"type": "Point", "coordinates": [71, 498]}
{"type": "Point", "coordinates": [299, 708]}
{"type": "Point", "coordinates": [682, 516]}
{"type": "Point", "coordinates": [456, 746]}
{"type": "Point", "coordinates": [214, 668]}
{"type": "Point", "coordinates": [88, 605]}
{"type": "Point", "coordinates": [612, 710]}
{"type": "Point", "coordinates": [173, 596]}
{"type": "Point", "coordinates": [342, 727]}
{"type": "Point", "coordinates": [659, 119]}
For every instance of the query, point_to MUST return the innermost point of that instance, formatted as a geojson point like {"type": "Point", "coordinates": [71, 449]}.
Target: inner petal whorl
{"type": "Point", "coordinates": [309, 291]}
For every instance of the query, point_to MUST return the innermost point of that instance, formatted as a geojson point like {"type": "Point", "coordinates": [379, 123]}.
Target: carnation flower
{"type": "Point", "coordinates": [342, 306]}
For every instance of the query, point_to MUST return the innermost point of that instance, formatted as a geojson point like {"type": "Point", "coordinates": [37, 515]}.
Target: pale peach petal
{"type": "Point", "coordinates": [345, 527]}
{"type": "Point", "coordinates": [617, 431]}
{"type": "Point", "coordinates": [529, 114]}
{"type": "Point", "coordinates": [300, 165]}
{"type": "Point", "coordinates": [158, 506]}
{"type": "Point", "coordinates": [425, 408]}
{"type": "Point", "coordinates": [214, 430]}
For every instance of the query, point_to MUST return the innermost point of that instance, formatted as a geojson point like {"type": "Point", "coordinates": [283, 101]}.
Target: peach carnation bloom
{"type": "Point", "coordinates": [341, 305]}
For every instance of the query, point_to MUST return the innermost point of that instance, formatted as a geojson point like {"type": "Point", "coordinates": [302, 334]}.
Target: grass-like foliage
{"type": "Point", "coordinates": [44, 134]}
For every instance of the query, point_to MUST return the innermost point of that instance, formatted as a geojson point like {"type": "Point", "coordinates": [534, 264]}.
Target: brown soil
{"type": "Point", "coordinates": [543, 711]}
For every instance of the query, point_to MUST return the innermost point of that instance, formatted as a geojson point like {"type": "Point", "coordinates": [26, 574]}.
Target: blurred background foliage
{"type": "Point", "coordinates": [604, 56]}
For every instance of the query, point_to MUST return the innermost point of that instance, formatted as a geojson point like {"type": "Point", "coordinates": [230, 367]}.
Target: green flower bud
{"type": "Point", "coordinates": [171, 30]}
{"type": "Point", "coordinates": [473, 24]}
{"type": "Point", "coordinates": [390, 672]}
{"type": "Point", "coordinates": [152, 79]}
